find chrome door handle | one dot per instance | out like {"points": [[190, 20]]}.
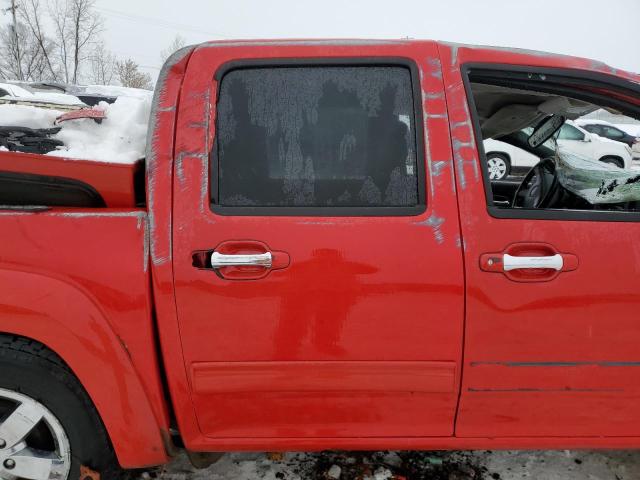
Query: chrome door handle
{"points": [[554, 262], [219, 260]]}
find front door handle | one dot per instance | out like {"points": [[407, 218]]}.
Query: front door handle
{"points": [[220, 260], [529, 262], [553, 262]]}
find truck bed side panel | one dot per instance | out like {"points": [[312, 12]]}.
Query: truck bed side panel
{"points": [[77, 281]]}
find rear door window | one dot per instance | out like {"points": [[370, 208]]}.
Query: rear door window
{"points": [[316, 137]]}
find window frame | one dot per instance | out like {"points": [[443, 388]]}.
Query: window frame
{"points": [[325, 211], [583, 77]]}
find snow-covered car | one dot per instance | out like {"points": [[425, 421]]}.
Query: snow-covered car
{"points": [[10, 93], [504, 159]]}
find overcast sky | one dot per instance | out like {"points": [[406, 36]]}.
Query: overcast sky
{"points": [[607, 30]]}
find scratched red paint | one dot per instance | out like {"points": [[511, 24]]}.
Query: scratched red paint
{"points": [[378, 332]]}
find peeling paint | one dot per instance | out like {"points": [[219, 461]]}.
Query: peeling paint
{"points": [[437, 166], [433, 95], [522, 51], [151, 151], [436, 71], [49, 213], [462, 124], [435, 223], [181, 157], [459, 159], [145, 247], [139, 215]]}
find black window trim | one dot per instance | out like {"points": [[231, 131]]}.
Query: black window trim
{"points": [[582, 76], [327, 211]]}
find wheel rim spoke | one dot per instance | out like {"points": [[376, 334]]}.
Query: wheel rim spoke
{"points": [[32, 464], [20, 423], [21, 431]]}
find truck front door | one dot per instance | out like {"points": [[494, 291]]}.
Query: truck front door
{"points": [[551, 343], [317, 261]]}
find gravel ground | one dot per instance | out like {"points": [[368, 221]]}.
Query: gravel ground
{"points": [[505, 465]]}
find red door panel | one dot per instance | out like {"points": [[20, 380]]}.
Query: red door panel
{"points": [[358, 332], [547, 352]]}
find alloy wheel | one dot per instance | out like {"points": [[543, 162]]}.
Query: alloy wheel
{"points": [[33, 443], [497, 168]]}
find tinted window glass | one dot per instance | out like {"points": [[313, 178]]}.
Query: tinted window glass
{"points": [[612, 132], [316, 136], [567, 132]]}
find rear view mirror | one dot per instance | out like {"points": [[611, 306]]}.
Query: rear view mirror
{"points": [[545, 130]]}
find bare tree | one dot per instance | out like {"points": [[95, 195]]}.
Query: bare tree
{"points": [[78, 27], [103, 65], [177, 43], [130, 75], [30, 14], [20, 54]]}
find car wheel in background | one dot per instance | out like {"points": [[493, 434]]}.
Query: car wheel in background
{"points": [[617, 161], [498, 165]]}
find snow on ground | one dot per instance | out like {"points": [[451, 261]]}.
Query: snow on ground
{"points": [[120, 138], [481, 465]]}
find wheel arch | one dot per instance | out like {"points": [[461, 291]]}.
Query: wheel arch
{"points": [[68, 322], [618, 158], [498, 152]]}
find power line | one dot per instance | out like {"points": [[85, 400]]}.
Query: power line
{"points": [[154, 21]]}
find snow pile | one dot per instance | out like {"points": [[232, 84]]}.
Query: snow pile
{"points": [[16, 92], [110, 90], [25, 116], [120, 138]]}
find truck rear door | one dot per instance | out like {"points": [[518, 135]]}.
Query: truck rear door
{"points": [[317, 259]]}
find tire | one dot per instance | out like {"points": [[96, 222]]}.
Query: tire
{"points": [[498, 166], [35, 378], [617, 161]]}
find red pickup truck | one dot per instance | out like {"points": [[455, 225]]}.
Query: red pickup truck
{"points": [[318, 259]]}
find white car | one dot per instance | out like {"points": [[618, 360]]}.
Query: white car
{"points": [[504, 159], [12, 92]]}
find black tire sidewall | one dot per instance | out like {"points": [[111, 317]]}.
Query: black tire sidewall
{"points": [[59, 391]]}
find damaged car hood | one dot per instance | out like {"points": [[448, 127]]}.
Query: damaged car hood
{"points": [[595, 181]]}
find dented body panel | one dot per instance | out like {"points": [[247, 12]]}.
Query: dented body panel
{"points": [[369, 332]]}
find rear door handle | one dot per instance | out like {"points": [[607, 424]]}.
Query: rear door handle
{"points": [[553, 262], [220, 260], [241, 260]]}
